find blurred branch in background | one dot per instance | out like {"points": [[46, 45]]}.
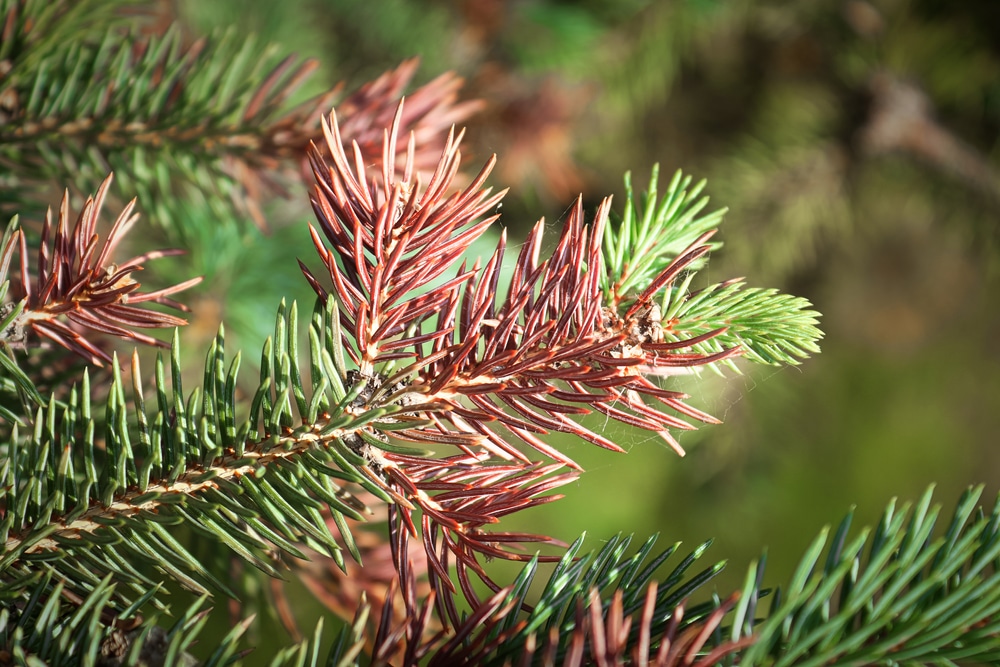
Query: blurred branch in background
{"points": [[902, 120]]}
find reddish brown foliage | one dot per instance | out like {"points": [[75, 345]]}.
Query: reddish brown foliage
{"points": [[75, 287], [470, 365]]}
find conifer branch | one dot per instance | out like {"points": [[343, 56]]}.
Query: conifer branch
{"points": [[423, 405], [551, 338], [256, 484], [598, 608], [394, 365], [37, 630], [914, 598], [75, 286], [898, 594], [192, 462], [212, 115]]}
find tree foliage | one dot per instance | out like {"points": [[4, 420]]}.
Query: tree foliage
{"points": [[416, 406]]}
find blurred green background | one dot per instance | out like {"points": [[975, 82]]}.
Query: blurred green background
{"points": [[856, 146]]}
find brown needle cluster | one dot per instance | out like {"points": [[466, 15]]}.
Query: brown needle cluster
{"points": [[597, 639], [431, 109], [474, 368], [75, 286]]}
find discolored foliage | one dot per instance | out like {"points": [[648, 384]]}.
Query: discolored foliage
{"points": [[381, 450]]}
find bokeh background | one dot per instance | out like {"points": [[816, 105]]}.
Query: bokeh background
{"points": [[856, 146]]}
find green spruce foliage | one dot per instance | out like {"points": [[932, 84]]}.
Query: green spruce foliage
{"points": [[404, 415]]}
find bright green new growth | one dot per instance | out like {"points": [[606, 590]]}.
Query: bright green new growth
{"points": [[770, 327], [650, 233]]}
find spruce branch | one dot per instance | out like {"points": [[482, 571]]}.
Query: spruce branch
{"points": [[463, 361], [75, 286], [903, 593], [762, 324], [551, 338], [37, 631], [600, 608], [151, 106], [212, 117], [422, 383], [191, 462], [914, 598], [427, 395], [33, 29]]}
